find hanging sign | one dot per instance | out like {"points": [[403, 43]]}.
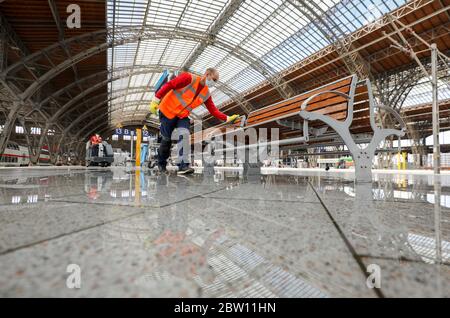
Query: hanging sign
{"points": [[119, 129]]}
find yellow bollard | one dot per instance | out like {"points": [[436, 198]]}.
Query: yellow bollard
{"points": [[137, 180], [137, 187], [399, 162], [138, 147]]}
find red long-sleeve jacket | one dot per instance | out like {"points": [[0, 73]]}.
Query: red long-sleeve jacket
{"points": [[96, 140], [183, 80]]}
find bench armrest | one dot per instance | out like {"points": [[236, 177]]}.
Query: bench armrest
{"points": [[305, 103], [307, 115]]}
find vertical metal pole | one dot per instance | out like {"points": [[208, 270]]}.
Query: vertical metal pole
{"points": [[436, 154], [132, 143], [435, 111], [111, 74], [437, 220], [138, 147]]}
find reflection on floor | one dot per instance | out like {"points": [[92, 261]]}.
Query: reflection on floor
{"points": [[222, 234]]}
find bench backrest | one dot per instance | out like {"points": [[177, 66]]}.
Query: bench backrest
{"points": [[327, 103]]}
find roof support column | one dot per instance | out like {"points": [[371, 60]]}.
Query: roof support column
{"points": [[27, 134], [9, 124], [3, 49]]}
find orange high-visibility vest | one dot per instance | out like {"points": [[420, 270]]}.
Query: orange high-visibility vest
{"points": [[180, 102]]}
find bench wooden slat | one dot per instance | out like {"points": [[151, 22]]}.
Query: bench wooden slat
{"points": [[299, 99], [294, 108]]}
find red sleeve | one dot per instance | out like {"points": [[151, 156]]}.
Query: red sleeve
{"points": [[178, 82], [214, 111]]}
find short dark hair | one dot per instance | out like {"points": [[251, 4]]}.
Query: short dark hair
{"points": [[212, 70]]}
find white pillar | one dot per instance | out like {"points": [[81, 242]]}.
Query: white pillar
{"points": [[132, 142], [435, 111]]}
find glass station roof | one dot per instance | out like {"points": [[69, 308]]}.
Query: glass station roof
{"points": [[247, 41], [421, 93]]}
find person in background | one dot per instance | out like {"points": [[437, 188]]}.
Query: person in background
{"points": [[96, 140], [175, 100]]}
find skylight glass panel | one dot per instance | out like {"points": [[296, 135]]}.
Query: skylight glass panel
{"points": [[285, 22], [142, 107], [421, 93], [245, 80], [124, 55], [210, 57], [229, 67], [247, 18], [140, 80], [177, 51], [200, 14], [129, 109], [165, 13], [127, 12], [148, 96], [219, 97], [151, 52], [134, 97], [120, 83]]}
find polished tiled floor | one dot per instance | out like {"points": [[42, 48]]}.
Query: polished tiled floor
{"points": [[304, 234]]}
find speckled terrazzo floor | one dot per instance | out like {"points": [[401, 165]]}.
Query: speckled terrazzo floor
{"points": [[134, 234]]}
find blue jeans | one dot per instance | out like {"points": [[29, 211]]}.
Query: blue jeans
{"points": [[166, 129]]}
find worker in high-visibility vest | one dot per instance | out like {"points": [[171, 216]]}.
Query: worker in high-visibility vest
{"points": [[96, 140], [175, 100]]}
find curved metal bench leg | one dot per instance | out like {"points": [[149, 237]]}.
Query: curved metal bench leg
{"points": [[363, 165], [252, 166], [361, 157], [207, 163]]}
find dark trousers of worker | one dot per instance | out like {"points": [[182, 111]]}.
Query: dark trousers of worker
{"points": [[166, 129], [95, 150]]}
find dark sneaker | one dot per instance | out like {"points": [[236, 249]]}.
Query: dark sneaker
{"points": [[185, 170]]}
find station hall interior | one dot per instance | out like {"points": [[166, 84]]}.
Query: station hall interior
{"points": [[225, 148]]}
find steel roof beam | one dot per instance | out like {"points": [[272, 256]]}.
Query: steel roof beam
{"points": [[355, 63], [214, 29], [13, 91], [430, 35], [272, 77], [360, 33], [92, 112], [144, 21], [126, 35], [90, 130], [119, 74], [13, 37], [98, 105], [61, 34]]}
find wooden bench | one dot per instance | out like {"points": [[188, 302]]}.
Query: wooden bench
{"points": [[288, 110], [346, 106]]}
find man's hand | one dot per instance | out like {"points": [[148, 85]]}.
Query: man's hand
{"points": [[231, 119], [154, 106]]}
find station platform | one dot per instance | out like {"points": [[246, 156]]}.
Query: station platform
{"points": [[278, 234]]}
